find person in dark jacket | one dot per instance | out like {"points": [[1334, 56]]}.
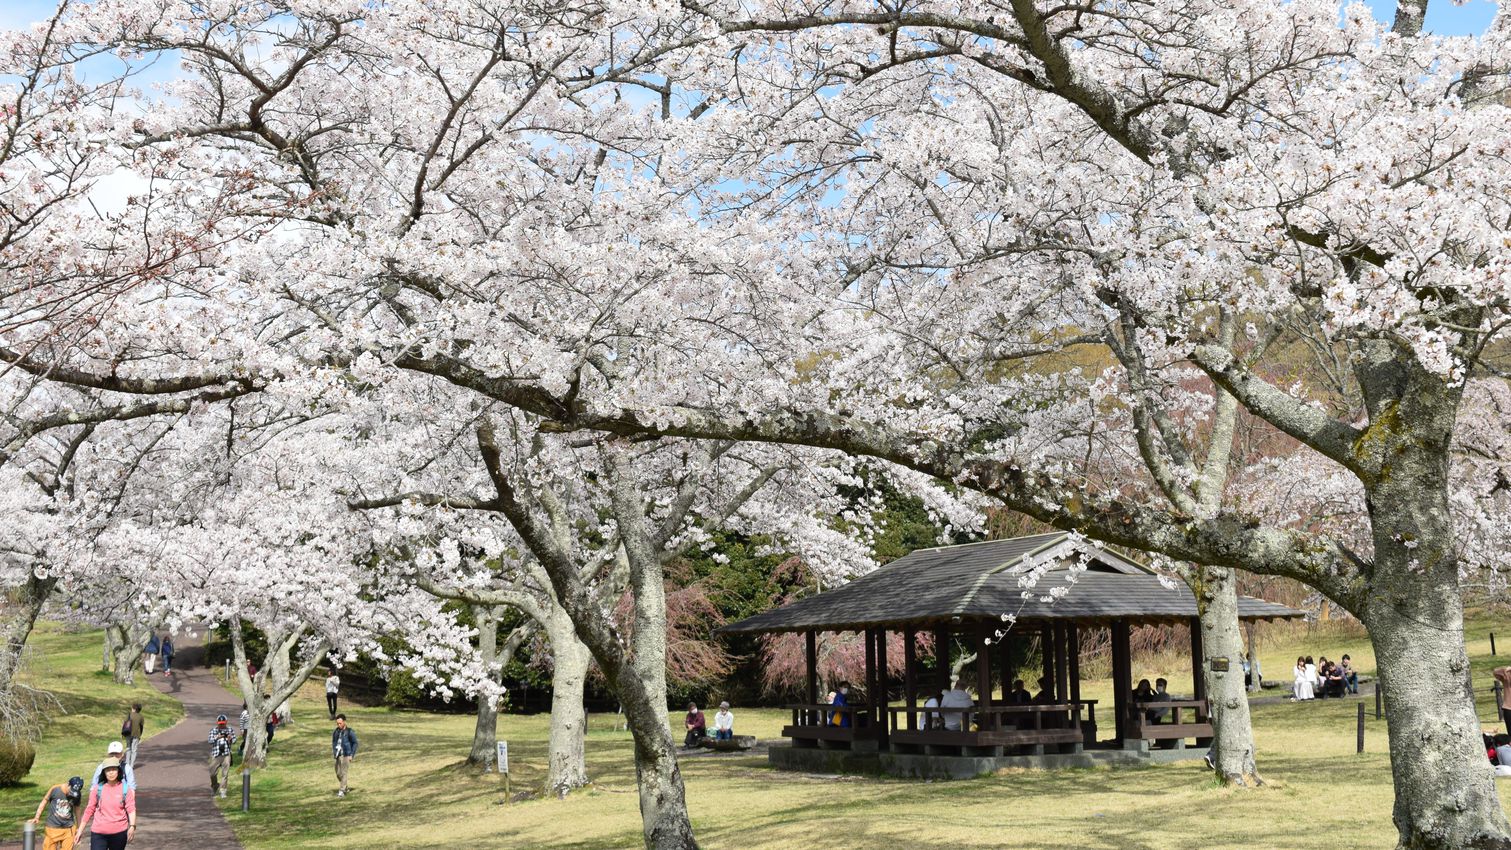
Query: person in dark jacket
{"points": [[696, 725], [167, 645], [344, 749]]}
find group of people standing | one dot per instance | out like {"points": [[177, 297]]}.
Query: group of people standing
{"points": [[1313, 680], [111, 806], [158, 648]]}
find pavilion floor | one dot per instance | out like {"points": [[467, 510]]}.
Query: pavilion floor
{"points": [[970, 762]]}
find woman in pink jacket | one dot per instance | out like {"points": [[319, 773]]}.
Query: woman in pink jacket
{"points": [[112, 808]]}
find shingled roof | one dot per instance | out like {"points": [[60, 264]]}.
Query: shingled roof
{"points": [[982, 581]]}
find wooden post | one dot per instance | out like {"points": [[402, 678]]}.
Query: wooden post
{"points": [[983, 673], [1062, 666], [812, 680], [910, 675], [883, 719], [1379, 687], [1361, 727], [1198, 664], [1073, 639], [1009, 672], [1122, 677], [870, 637], [1492, 643], [942, 658], [1047, 649]]}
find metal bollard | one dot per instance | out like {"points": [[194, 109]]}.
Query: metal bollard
{"points": [[1379, 689], [1492, 643], [1361, 727], [246, 789], [29, 836]]}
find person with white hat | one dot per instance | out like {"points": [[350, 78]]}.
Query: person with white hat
{"points": [[116, 751], [724, 723]]}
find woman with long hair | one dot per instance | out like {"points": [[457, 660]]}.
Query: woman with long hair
{"points": [[112, 808]]}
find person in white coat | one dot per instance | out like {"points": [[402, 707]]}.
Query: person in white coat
{"points": [[1302, 689]]}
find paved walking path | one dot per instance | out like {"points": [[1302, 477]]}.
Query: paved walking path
{"points": [[174, 809], [173, 802]]}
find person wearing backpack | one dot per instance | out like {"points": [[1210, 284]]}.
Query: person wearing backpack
{"points": [[167, 654], [112, 807], [114, 751], [131, 730], [344, 749]]}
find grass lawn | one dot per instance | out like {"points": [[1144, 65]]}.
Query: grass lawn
{"points": [[68, 665], [410, 791]]}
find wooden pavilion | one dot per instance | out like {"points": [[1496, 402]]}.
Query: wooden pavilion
{"points": [[961, 594]]}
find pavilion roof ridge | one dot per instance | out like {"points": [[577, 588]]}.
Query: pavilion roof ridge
{"points": [[986, 542], [970, 595]]}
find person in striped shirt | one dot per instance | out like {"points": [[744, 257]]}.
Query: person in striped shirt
{"points": [[221, 738]]}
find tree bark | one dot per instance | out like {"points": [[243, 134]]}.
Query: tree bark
{"points": [[663, 799], [569, 719], [1445, 794], [1216, 590], [125, 659], [485, 731], [29, 599], [258, 705]]}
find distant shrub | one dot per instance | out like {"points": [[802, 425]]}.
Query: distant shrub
{"points": [[16, 759]]}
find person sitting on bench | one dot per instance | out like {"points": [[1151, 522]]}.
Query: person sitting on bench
{"points": [[697, 726], [956, 697], [724, 723]]}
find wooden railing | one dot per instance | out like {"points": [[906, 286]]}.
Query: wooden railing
{"points": [[994, 725], [831, 723], [1170, 724]]}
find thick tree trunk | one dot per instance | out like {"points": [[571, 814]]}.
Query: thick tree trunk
{"points": [[108, 650], [255, 753], [125, 659], [258, 706], [569, 720], [29, 599], [663, 799], [1445, 791], [485, 731], [1232, 731], [1413, 608]]}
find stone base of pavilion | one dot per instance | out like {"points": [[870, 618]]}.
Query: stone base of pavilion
{"points": [[971, 762]]}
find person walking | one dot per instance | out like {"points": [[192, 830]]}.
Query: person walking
{"points": [[245, 721], [112, 808], [344, 749], [1502, 675], [115, 751], [149, 654], [167, 645], [332, 689], [135, 723], [61, 802], [221, 738]]}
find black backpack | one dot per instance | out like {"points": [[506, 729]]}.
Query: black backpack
{"points": [[126, 726]]}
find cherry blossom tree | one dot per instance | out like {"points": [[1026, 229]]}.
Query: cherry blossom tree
{"points": [[880, 230]]}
